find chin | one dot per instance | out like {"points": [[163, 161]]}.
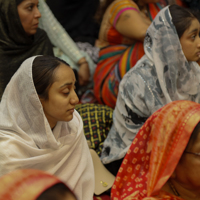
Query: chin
{"points": [[69, 118], [33, 32]]}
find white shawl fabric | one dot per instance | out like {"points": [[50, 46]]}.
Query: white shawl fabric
{"points": [[27, 141]]}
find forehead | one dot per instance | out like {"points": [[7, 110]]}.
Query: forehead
{"points": [[63, 74], [29, 1], [194, 25]]}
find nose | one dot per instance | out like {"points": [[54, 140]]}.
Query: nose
{"points": [[74, 99], [37, 13]]}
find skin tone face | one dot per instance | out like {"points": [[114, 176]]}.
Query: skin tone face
{"points": [[186, 176], [62, 97], [190, 41], [29, 15], [187, 172]]}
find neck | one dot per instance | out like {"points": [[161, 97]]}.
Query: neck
{"points": [[186, 193], [177, 189]]}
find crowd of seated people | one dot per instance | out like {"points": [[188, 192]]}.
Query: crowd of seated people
{"points": [[144, 124]]}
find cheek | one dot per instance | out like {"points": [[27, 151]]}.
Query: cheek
{"points": [[188, 50], [60, 105]]}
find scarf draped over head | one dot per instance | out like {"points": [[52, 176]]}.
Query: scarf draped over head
{"points": [[15, 44], [161, 76], [155, 152], [27, 141], [25, 184], [178, 78]]}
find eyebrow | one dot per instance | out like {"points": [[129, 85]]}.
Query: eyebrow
{"points": [[66, 84], [193, 30], [30, 2]]}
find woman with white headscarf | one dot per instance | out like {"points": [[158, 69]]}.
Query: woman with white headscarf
{"points": [[167, 72], [39, 127]]}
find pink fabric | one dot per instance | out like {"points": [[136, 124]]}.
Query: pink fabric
{"points": [[121, 11]]}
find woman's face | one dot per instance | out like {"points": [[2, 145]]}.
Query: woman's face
{"points": [[190, 41], [62, 97], [187, 172], [29, 15]]}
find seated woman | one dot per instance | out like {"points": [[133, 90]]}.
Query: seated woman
{"points": [[167, 72], [31, 184], [163, 160], [39, 127], [122, 32], [20, 38], [65, 48]]}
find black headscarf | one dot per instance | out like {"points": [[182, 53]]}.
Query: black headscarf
{"points": [[77, 17], [15, 44]]}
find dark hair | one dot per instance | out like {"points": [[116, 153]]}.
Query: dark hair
{"points": [[43, 73], [182, 18], [194, 135], [18, 2], [56, 192], [101, 10]]}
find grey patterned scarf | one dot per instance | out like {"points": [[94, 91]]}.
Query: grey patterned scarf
{"points": [[162, 75]]}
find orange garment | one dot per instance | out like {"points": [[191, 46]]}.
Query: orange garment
{"points": [[108, 33], [25, 184], [121, 54], [155, 152]]}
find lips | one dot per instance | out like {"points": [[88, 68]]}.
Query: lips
{"points": [[71, 109], [35, 25], [198, 54]]}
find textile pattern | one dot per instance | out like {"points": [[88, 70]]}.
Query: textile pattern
{"points": [[116, 60], [155, 152], [161, 76], [25, 184], [97, 120]]}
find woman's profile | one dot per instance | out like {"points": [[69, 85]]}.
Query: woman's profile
{"points": [[167, 72], [39, 127]]}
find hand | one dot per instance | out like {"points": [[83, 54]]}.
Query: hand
{"points": [[83, 74]]}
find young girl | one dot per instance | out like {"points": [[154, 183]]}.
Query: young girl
{"points": [[167, 72], [39, 127]]}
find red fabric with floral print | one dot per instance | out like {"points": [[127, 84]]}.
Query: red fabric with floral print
{"points": [[155, 152]]}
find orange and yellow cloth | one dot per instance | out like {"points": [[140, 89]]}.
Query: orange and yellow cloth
{"points": [[121, 54]]}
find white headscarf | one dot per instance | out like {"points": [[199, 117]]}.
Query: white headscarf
{"points": [[27, 141], [161, 76]]}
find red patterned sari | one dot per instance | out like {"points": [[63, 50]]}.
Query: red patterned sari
{"points": [[155, 153]]}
